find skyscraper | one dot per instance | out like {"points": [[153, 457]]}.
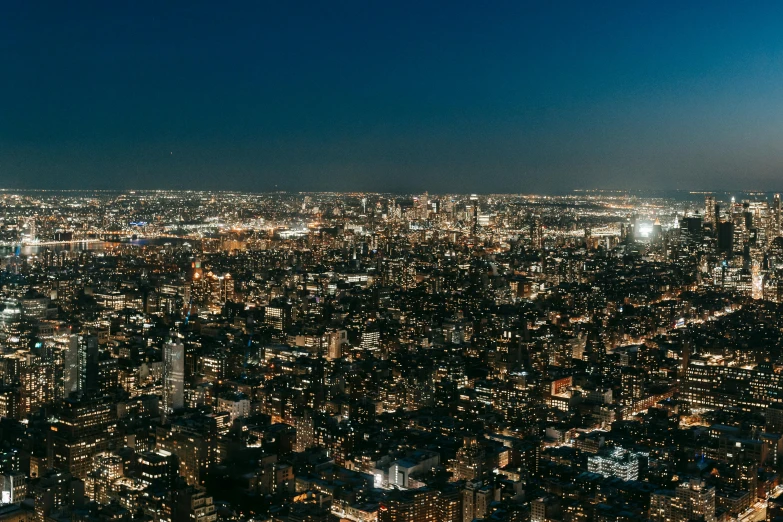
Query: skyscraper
{"points": [[173, 376], [80, 374], [726, 237], [71, 366], [84, 428], [474, 204], [710, 217]]}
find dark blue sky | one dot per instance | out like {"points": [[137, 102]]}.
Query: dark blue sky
{"points": [[404, 96]]}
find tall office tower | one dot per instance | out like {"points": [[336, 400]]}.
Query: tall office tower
{"points": [[84, 428], [80, 372], [173, 376], [88, 363], [474, 203], [775, 217], [71, 367], [423, 204], [709, 211], [36, 388], [726, 237], [537, 234], [657, 231]]}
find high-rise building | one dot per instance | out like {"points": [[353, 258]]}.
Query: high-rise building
{"points": [[71, 366], [692, 500], [278, 316], [56, 490], [471, 461], [173, 376], [657, 231], [158, 468], [193, 441], [725, 237], [474, 206], [419, 504], [718, 387], [693, 224], [476, 501], [213, 366], [337, 341], [9, 403], [85, 428], [80, 372], [371, 339], [36, 387], [450, 504], [88, 363], [537, 234], [710, 218]]}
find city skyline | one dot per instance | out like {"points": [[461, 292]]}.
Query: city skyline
{"points": [[391, 262], [171, 356]]}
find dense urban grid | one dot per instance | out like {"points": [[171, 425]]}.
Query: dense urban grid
{"points": [[195, 356]]}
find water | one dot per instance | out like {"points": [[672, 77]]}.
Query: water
{"points": [[95, 246], [29, 250]]}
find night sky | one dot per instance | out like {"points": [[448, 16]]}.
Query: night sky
{"points": [[391, 95]]}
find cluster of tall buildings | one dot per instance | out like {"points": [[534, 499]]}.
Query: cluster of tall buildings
{"points": [[172, 356]]}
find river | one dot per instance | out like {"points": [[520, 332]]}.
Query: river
{"points": [[28, 250]]}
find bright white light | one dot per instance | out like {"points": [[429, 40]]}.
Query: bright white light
{"points": [[645, 230]]}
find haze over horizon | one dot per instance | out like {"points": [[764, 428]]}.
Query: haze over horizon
{"points": [[405, 97]]}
